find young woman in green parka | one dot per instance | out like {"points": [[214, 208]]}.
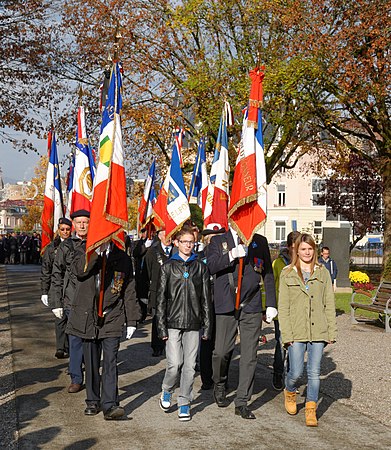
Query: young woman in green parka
{"points": [[306, 311]]}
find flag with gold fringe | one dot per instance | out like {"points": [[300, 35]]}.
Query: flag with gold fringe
{"points": [[109, 215]]}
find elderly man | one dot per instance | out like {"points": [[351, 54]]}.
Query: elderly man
{"points": [[63, 232], [64, 284]]}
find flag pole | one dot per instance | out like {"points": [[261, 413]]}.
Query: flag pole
{"points": [[239, 289], [101, 290]]}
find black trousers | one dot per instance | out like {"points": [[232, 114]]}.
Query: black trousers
{"points": [[102, 391], [61, 337], [226, 331], [156, 343], [206, 352]]}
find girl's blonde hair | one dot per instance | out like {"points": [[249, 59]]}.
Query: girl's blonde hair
{"points": [[308, 239]]}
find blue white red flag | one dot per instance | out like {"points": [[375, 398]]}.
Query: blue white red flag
{"points": [[148, 199], [80, 194], [172, 207], [216, 206], [179, 135], [109, 214], [247, 211], [53, 206], [199, 182]]}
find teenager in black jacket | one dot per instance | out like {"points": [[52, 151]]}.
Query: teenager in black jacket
{"points": [[183, 307]]}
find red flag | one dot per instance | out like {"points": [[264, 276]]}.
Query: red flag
{"points": [[247, 210]]}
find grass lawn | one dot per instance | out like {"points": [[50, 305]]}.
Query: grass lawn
{"points": [[342, 304]]}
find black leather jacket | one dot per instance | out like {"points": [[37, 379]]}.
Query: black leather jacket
{"points": [[183, 297]]}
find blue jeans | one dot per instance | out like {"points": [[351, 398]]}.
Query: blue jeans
{"points": [[181, 354], [296, 365]]}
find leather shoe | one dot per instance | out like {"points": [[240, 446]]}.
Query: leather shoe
{"points": [[244, 412], [61, 354], [219, 396], [114, 413], [206, 386], [74, 387], [92, 410]]}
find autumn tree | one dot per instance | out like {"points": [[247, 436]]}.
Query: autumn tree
{"points": [[354, 191], [347, 43]]}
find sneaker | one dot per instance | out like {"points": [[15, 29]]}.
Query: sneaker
{"points": [[278, 382], [184, 413], [165, 400]]}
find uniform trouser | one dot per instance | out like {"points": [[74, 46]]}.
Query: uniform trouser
{"points": [[156, 343], [75, 367], [102, 391], [279, 351], [75, 359], [61, 337], [226, 332], [206, 352], [23, 257], [181, 354]]}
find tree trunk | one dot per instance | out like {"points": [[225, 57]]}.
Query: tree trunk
{"points": [[386, 175]]}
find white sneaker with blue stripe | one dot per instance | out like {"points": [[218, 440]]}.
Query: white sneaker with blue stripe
{"points": [[184, 413], [165, 400]]}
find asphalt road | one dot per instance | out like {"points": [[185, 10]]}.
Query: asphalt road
{"points": [[36, 412]]}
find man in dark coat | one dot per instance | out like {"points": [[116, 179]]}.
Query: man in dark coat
{"points": [[155, 257], [63, 290], [140, 271], [223, 261], [119, 308], [63, 232]]}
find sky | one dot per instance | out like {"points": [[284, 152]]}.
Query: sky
{"points": [[19, 166]]}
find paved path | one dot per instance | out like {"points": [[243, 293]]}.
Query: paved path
{"points": [[36, 412]]}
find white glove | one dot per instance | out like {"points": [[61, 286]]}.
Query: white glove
{"points": [[238, 252], [58, 312], [271, 313], [144, 300], [45, 300], [148, 243], [130, 331]]}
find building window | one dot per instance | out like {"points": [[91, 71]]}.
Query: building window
{"points": [[318, 188], [317, 227], [280, 230], [281, 194]]}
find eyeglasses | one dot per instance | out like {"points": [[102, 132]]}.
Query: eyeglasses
{"points": [[65, 229], [187, 242]]}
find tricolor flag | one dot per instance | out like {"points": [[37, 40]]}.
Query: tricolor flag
{"points": [[148, 199], [216, 206], [109, 215], [53, 206], [199, 182], [80, 193], [247, 210], [172, 208]]}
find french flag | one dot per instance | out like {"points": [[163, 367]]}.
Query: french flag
{"points": [[148, 199], [53, 206], [199, 182], [172, 207], [216, 205], [247, 211], [80, 194]]}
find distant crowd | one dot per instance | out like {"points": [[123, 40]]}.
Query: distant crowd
{"points": [[20, 248]]}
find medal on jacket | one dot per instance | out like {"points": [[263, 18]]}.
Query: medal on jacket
{"points": [[186, 274], [117, 282], [258, 264]]}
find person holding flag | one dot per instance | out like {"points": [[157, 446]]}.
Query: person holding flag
{"points": [[238, 259], [102, 263]]}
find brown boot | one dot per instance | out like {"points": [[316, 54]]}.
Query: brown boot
{"points": [[290, 402], [310, 414]]}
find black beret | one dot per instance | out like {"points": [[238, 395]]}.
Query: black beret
{"points": [[64, 221], [80, 213], [213, 228], [143, 230]]}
